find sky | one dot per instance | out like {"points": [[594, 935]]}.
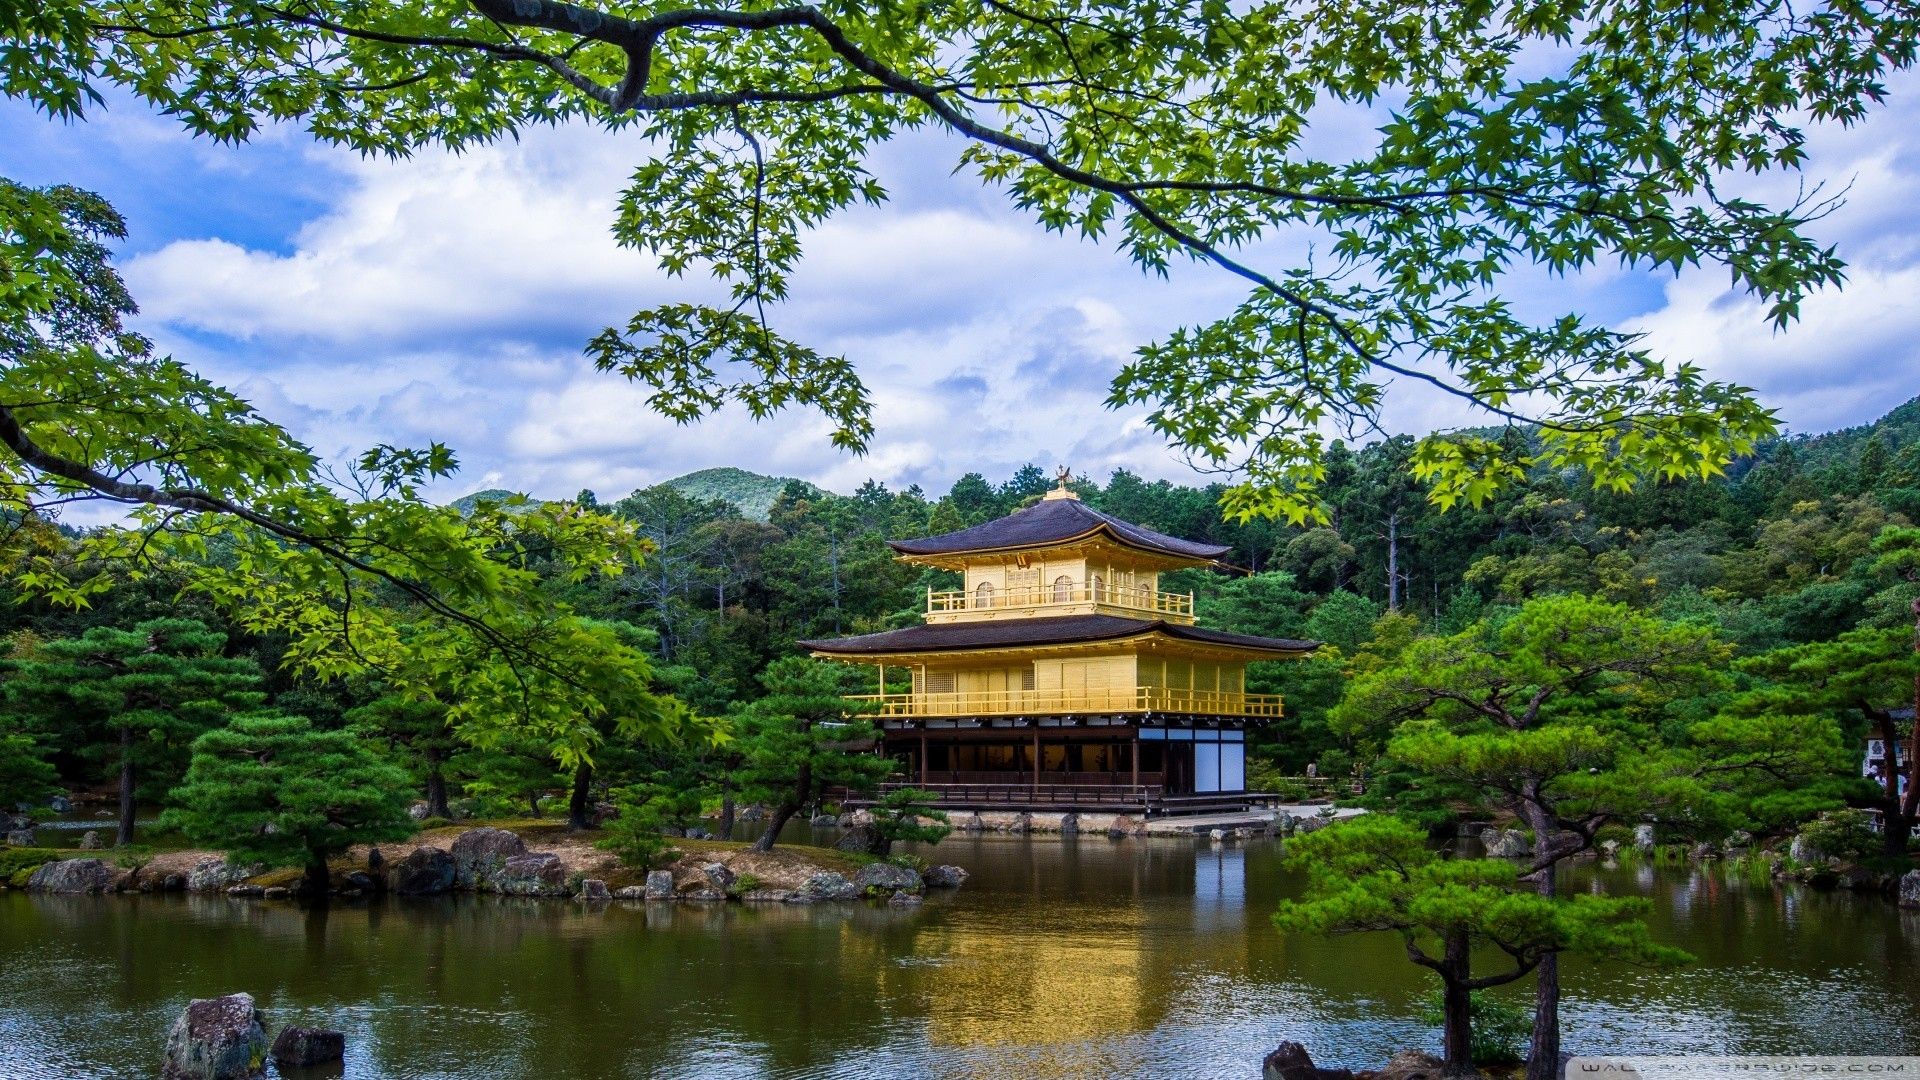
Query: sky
{"points": [[447, 298]]}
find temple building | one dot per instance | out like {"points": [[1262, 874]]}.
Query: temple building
{"points": [[1061, 677]]}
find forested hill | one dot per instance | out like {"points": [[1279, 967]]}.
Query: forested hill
{"points": [[749, 492]]}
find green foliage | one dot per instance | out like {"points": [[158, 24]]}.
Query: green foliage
{"points": [[1500, 1028], [643, 810], [132, 856], [907, 814], [26, 776], [273, 790], [1843, 834], [22, 861], [805, 737]]}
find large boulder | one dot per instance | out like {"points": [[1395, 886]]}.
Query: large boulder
{"points": [[719, 876], [539, 873], [71, 876], [594, 889], [60, 804], [1289, 1061], [1643, 837], [1910, 889], [1508, 844], [825, 885], [90, 840], [480, 854], [659, 885], [216, 875], [1805, 851], [972, 823], [1069, 824], [305, 1047], [426, 871], [21, 838], [863, 839], [886, 877], [216, 1039], [823, 821], [944, 877]]}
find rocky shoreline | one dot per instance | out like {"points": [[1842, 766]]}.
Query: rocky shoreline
{"points": [[488, 860]]}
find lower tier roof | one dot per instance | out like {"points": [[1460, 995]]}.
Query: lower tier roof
{"points": [[1053, 630]]}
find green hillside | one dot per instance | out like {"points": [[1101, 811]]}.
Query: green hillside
{"points": [[749, 492]]}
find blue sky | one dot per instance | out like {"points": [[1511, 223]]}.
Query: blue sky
{"points": [[447, 298]]}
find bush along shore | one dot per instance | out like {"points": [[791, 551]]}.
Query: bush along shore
{"points": [[527, 859]]}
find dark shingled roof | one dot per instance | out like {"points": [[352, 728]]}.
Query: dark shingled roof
{"points": [[1055, 630], [1053, 521]]}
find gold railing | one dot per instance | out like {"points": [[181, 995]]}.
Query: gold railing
{"points": [[1135, 597], [1119, 699]]}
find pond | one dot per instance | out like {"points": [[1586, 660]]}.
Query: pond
{"points": [[1086, 957]]}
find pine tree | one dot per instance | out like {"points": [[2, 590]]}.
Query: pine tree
{"points": [[417, 727], [140, 696], [803, 739], [274, 790]]}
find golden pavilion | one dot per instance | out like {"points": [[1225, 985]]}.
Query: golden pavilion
{"points": [[1061, 677]]}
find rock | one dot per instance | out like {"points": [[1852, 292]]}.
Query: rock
{"points": [[821, 821], [21, 838], [1289, 1061], [704, 894], [1738, 841], [1805, 851], [426, 871], [174, 883], [216, 1039], [215, 875], [856, 818], [751, 813], [1218, 836], [479, 854], [875, 877], [826, 885], [539, 873], [768, 896], [418, 812], [1910, 889], [659, 885], [1022, 824], [376, 863], [594, 889], [630, 892], [864, 839], [90, 840], [1860, 879], [71, 876], [276, 892], [1285, 824], [245, 891], [1069, 824], [944, 877], [1609, 848], [905, 899], [699, 834], [1244, 832], [719, 876], [1410, 1065], [1643, 837], [303, 1047], [1702, 851], [972, 823], [60, 804], [359, 881], [1508, 844]]}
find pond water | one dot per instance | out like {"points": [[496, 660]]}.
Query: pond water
{"points": [[1060, 958]]}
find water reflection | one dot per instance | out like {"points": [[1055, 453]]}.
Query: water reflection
{"points": [[1060, 958]]}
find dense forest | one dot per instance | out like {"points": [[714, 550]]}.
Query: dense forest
{"points": [[1779, 554]]}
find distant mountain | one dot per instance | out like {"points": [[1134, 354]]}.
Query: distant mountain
{"points": [[750, 492], [1899, 429], [466, 503]]}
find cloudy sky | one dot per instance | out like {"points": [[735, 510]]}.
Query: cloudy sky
{"points": [[447, 298]]}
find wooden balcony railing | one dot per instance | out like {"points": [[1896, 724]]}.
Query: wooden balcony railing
{"points": [[1044, 702], [1133, 597]]}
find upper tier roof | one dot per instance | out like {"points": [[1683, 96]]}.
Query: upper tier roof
{"points": [[1056, 521], [1057, 630]]}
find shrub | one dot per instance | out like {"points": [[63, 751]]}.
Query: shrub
{"points": [[24, 860], [1500, 1028], [132, 856], [744, 884], [633, 833]]}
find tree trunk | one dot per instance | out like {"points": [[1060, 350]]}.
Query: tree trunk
{"points": [[533, 803], [789, 806], [1393, 561], [579, 803], [1543, 1055], [775, 822], [437, 787], [725, 824], [124, 835], [1894, 825], [1456, 1008], [317, 878]]}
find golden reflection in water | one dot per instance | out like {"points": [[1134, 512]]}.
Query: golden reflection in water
{"points": [[1036, 986]]}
